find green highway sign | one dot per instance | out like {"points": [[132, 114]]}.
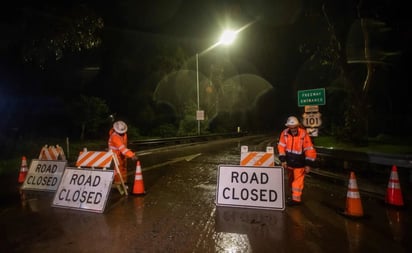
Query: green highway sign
{"points": [[311, 97]]}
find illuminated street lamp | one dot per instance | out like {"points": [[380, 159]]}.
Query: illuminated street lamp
{"points": [[226, 38]]}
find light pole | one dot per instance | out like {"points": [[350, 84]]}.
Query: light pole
{"points": [[226, 38], [198, 96]]}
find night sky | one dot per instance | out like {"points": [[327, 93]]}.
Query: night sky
{"points": [[277, 48]]}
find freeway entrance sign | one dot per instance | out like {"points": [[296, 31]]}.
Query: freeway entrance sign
{"points": [[311, 97]]}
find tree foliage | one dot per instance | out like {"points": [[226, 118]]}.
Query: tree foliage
{"points": [[89, 114], [355, 47], [53, 32]]}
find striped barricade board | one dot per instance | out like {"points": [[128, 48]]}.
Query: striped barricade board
{"points": [[257, 158], [102, 160], [44, 175], [52, 153], [94, 159]]}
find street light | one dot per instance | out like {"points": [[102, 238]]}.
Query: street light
{"points": [[227, 38]]}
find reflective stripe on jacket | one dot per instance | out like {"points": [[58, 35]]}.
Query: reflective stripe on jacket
{"points": [[118, 144], [297, 151]]}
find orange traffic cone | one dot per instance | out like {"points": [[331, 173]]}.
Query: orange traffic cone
{"points": [[394, 193], [353, 201], [138, 187], [23, 170]]}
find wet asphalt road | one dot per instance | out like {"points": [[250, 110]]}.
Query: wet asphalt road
{"points": [[178, 214]]}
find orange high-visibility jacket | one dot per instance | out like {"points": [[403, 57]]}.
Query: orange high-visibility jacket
{"points": [[118, 144], [297, 151]]}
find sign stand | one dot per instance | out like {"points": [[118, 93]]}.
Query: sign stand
{"points": [[257, 158], [52, 153], [116, 165]]}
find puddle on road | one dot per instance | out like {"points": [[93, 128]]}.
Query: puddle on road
{"points": [[241, 230]]}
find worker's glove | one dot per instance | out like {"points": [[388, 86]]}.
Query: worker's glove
{"points": [[135, 158], [284, 165], [307, 169]]}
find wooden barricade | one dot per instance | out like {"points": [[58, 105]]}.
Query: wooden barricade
{"points": [[52, 153], [257, 158], [101, 160]]}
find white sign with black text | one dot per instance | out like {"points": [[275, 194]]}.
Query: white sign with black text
{"points": [[44, 175], [200, 115], [250, 187], [84, 189]]}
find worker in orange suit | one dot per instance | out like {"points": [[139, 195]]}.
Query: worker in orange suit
{"points": [[118, 144], [297, 155]]}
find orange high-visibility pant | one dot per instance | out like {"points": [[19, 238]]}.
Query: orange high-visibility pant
{"points": [[123, 171], [296, 177]]}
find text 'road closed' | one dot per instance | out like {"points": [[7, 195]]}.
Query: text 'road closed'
{"points": [[91, 196], [247, 186], [84, 189], [44, 175]]}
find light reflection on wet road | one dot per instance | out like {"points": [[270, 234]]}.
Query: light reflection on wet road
{"points": [[178, 214]]}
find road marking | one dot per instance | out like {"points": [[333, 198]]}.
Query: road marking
{"points": [[175, 160]]}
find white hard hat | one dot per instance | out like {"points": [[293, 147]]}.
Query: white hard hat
{"points": [[120, 127], [292, 121]]}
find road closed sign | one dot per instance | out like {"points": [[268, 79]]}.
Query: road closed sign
{"points": [[44, 175], [84, 189], [250, 187]]}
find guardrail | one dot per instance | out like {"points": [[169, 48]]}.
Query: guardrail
{"points": [[404, 161], [150, 143]]}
